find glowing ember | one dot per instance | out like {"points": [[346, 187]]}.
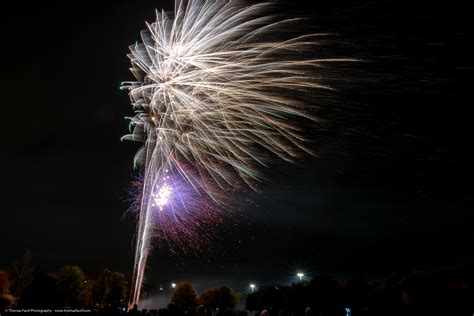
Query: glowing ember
{"points": [[162, 197]]}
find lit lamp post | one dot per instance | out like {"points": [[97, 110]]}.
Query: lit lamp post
{"points": [[300, 275], [173, 285], [252, 287]]}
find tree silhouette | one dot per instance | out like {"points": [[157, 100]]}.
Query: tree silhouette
{"points": [[42, 293], [222, 297], [325, 294], [5, 282], [6, 299], [21, 274], [356, 294], [109, 288], [251, 301], [269, 296], [184, 296], [70, 285]]}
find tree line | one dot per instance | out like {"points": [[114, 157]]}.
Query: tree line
{"points": [[70, 287], [411, 293]]}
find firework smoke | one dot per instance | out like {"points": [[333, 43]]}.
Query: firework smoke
{"points": [[214, 92]]}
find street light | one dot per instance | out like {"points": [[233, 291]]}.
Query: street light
{"points": [[173, 285], [252, 287], [300, 275]]}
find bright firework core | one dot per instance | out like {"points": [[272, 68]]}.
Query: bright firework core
{"points": [[162, 195]]}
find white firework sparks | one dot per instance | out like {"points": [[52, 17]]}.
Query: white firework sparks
{"points": [[214, 91], [162, 197]]}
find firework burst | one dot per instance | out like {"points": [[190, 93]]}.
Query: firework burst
{"points": [[215, 92], [186, 217]]}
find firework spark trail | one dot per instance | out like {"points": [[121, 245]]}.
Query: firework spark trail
{"points": [[183, 215], [214, 92]]}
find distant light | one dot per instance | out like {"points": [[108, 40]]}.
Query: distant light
{"points": [[300, 275], [252, 287], [173, 285]]}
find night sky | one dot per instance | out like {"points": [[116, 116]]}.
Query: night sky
{"points": [[390, 191]]}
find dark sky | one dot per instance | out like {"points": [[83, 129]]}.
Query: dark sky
{"points": [[390, 191]]}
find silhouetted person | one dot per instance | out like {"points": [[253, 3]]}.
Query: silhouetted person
{"points": [[134, 311], [201, 310], [173, 310], [272, 311], [163, 312]]}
